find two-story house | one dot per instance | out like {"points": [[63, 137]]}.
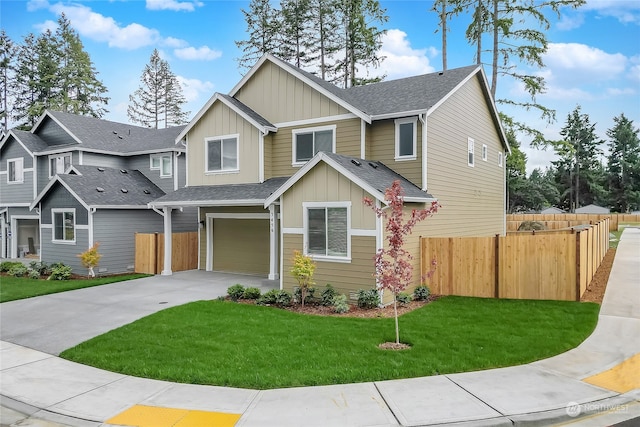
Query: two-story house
{"points": [[75, 180], [283, 162]]}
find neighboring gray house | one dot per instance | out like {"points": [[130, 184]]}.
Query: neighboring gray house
{"points": [[552, 210], [30, 161], [592, 209]]}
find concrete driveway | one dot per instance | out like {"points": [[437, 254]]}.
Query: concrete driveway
{"points": [[56, 322]]}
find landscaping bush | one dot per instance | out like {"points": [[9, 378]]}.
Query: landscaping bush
{"points": [[275, 297], [404, 298], [283, 299], [251, 293], [340, 304], [235, 292], [531, 225], [328, 295], [368, 298], [59, 271], [308, 299], [421, 293], [33, 274], [41, 267], [18, 270], [5, 266]]}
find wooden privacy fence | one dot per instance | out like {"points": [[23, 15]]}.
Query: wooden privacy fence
{"points": [[529, 265], [150, 252], [560, 221]]}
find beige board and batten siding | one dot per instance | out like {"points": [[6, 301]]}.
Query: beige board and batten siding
{"points": [[281, 144], [383, 149], [280, 97], [325, 184], [221, 120], [472, 198]]}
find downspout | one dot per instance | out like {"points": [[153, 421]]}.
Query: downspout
{"points": [[261, 136], [175, 170], [423, 120], [91, 236]]}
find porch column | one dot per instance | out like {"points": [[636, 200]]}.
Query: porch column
{"points": [[166, 271], [273, 243]]}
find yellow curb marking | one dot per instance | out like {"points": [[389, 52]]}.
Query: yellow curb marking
{"points": [[621, 378], [154, 416]]}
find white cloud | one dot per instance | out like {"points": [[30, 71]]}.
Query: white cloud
{"points": [[193, 88], [33, 5], [571, 64], [174, 42], [625, 11], [401, 60], [203, 53], [173, 5], [47, 25]]}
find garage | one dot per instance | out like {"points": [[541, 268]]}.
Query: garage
{"points": [[241, 245]]}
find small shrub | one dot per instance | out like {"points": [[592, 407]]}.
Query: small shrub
{"points": [[340, 304], [276, 297], [235, 292], [221, 298], [59, 271], [18, 270], [328, 295], [5, 266], [404, 298], [90, 258], [41, 267], [284, 299], [531, 225], [251, 293], [368, 298], [421, 293], [33, 274], [303, 269], [309, 298]]}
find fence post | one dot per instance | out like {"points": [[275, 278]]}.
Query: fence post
{"points": [[497, 261], [578, 266]]}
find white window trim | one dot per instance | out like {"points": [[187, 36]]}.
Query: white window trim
{"points": [[53, 226], [19, 166], [485, 152], [153, 157], [500, 157], [471, 150], [57, 156], [160, 157], [296, 132], [206, 154], [305, 226], [398, 122]]}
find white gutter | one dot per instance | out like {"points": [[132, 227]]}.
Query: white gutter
{"points": [[423, 120]]}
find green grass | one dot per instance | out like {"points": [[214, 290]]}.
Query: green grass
{"points": [[14, 288], [237, 345], [613, 243]]}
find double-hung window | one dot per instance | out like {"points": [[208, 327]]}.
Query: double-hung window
{"points": [[15, 171], [470, 151], [59, 164], [222, 154], [327, 232], [64, 225], [406, 130], [163, 163], [308, 142]]}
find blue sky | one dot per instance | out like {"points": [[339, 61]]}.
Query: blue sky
{"points": [[593, 58]]}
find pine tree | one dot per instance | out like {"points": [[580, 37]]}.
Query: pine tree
{"points": [[159, 98], [7, 76], [263, 26], [324, 40], [623, 174], [295, 31]]}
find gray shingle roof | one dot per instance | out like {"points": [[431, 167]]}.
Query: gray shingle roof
{"points": [[116, 137], [219, 194], [248, 111], [377, 175], [33, 142], [111, 181]]}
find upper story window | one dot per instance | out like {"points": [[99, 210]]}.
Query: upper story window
{"points": [[163, 163], [326, 230], [59, 164], [15, 171], [406, 130], [485, 152], [64, 225], [470, 151], [308, 142], [222, 154], [500, 159]]}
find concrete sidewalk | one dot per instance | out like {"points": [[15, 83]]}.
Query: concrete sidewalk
{"points": [[595, 384]]}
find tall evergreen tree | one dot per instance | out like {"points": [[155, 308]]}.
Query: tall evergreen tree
{"points": [[324, 41], [295, 31], [263, 27], [7, 76], [623, 174], [159, 98]]}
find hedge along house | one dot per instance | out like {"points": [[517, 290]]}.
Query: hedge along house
{"points": [[92, 204], [439, 134]]}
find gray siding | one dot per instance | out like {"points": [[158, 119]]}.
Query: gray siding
{"points": [[64, 252], [59, 197], [184, 221], [42, 165], [143, 164], [15, 193], [96, 159], [54, 134], [13, 149], [115, 231]]}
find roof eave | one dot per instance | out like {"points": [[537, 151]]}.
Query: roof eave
{"points": [[180, 203], [398, 114]]}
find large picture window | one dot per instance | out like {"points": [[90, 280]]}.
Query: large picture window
{"points": [[327, 230], [406, 130], [309, 142], [64, 226], [15, 171], [59, 164], [222, 154]]}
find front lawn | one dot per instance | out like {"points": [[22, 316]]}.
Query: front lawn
{"points": [[238, 345], [13, 288]]}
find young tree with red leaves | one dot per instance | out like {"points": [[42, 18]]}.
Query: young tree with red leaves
{"points": [[393, 263]]}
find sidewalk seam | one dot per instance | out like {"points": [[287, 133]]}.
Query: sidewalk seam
{"points": [[375, 385]]}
